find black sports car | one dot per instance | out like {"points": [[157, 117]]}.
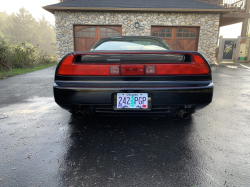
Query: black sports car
{"points": [[133, 75]]}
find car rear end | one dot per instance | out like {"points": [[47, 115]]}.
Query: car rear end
{"points": [[162, 83]]}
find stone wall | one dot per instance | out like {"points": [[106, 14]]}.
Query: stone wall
{"points": [[208, 23]]}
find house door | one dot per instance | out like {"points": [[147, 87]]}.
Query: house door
{"points": [[228, 49], [86, 36], [178, 38]]}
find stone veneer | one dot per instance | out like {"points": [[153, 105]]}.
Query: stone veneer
{"points": [[209, 26]]}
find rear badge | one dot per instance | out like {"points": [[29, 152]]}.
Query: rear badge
{"points": [[134, 69]]}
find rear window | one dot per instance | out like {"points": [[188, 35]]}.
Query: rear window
{"points": [[130, 43]]}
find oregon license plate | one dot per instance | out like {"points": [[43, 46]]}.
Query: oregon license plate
{"points": [[132, 100]]}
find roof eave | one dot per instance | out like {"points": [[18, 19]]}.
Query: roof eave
{"points": [[53, 9]]}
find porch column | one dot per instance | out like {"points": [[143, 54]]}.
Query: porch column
{"points": [[245, 24]]}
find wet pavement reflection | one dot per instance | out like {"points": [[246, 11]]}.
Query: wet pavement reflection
{"points": [[122, 151], [44, 145]]}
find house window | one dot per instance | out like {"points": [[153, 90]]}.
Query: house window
{"points": [[163, 33], [107, 32], [86, 32], [185, 33]]}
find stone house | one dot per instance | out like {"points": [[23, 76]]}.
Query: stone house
{"points": [[183, 24]]}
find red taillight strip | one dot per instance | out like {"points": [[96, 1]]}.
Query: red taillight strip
{"points": [[198, 66], [93, 69], [180, 69]]}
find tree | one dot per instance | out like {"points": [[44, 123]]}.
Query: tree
{"points": [[3, 24], [48, 36], [23, 27]]}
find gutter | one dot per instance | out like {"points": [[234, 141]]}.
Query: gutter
{"points": [[98, 9]]}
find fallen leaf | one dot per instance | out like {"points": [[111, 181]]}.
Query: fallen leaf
{"points": [[130, 155]]}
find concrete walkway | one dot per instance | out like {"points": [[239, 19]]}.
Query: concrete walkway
{"points": [[234, 65]]}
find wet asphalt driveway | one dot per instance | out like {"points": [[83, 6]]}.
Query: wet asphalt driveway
{"points": [[43, 145]]}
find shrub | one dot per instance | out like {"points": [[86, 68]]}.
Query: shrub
{"points": [[4, 66], [23, 55]]}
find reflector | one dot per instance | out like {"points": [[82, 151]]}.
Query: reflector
{"points": [[150, 69], [115, 70]]}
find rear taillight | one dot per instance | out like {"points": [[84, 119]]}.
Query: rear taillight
{"points": [[65, 67], [197, 66], [200, 65], [68, 67], [91, 69]]}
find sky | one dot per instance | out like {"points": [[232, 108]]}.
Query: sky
{"points": [[35, 7], [231, 31]]}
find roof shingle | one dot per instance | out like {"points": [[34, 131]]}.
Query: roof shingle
{"points": [[161, 4]]}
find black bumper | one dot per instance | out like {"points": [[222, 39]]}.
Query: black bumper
{"points": [[68, 94]]}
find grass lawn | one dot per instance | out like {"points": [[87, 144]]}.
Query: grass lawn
{"points": [[18, 71]]}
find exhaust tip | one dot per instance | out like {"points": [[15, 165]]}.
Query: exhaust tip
{"points": [[184, 114]]}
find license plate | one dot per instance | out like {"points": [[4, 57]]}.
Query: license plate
{"points": [[132, 100]]}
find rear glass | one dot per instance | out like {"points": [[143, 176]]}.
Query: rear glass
{"points": [[131, 43]]}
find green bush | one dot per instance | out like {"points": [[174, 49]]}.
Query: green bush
{"points": [[3, 56], [23, 55]]}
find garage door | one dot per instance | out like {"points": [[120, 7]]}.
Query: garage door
{"points": [[178, 38], [86, 36]]}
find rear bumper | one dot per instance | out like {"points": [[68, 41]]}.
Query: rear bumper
{"points": [[66, 95]]}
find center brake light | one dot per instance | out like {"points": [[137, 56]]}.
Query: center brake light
{"points": [[198, 66]]}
